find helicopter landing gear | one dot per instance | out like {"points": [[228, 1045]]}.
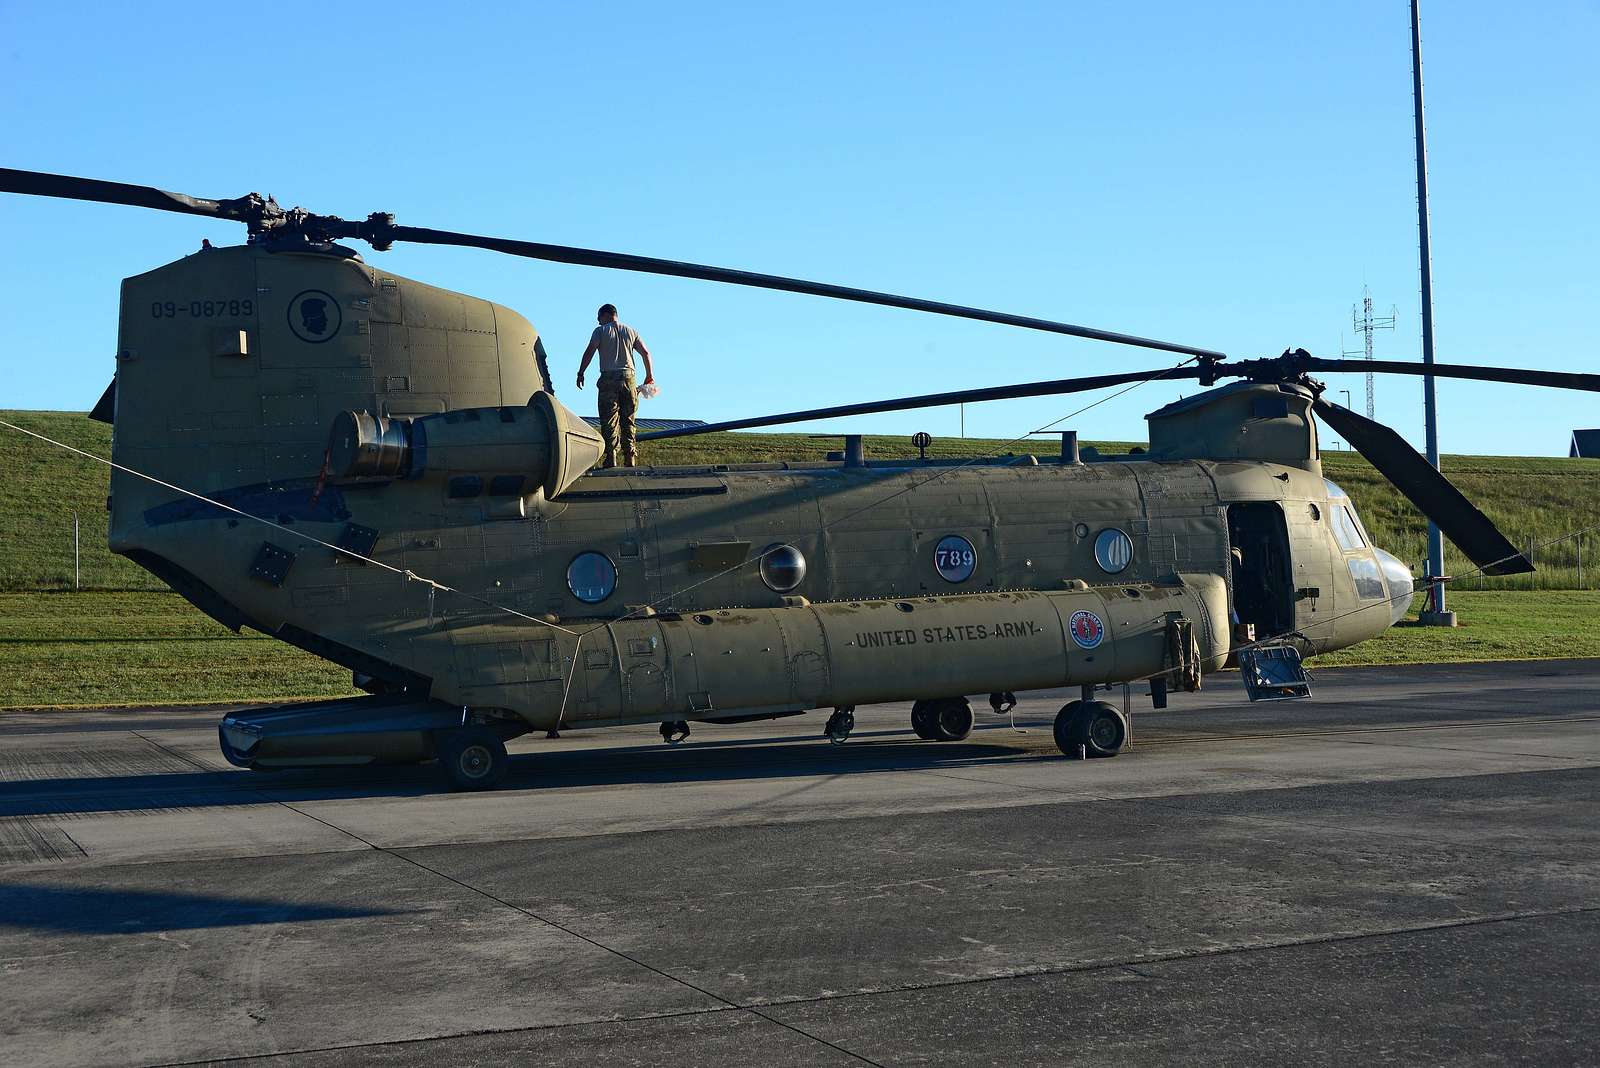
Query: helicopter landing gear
{"points": [[947, 719], [674, 731], [840, 724], [473, 758], [1090, 728]]}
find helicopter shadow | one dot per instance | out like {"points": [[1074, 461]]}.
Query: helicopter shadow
{"points": [[118, 910], [766, 758], [709, 761]]}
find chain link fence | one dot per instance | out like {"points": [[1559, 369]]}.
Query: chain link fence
{"points": [[1565, 563]]}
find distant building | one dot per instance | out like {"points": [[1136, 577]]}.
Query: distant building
{"points": [[1585, 443]]}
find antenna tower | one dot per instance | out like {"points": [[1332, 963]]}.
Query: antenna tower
{"points": [[1365, 323]]}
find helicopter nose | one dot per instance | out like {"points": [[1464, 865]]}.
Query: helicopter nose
{"points": [[1400, 582]]}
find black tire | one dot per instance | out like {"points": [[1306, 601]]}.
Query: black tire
{"points": [[1063, 730], [473, 758], [922, 720], [951, 719], [1096, 726]]}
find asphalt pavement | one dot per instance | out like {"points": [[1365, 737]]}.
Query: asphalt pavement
{"points": [[1405, 868]]}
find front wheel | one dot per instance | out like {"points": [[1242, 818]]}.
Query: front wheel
{"points": [[1097, 727], [473, 758]]}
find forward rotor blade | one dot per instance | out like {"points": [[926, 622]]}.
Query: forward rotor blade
{"points": [[933, 400], [1517, 375], [650, 265], [40, 184], [1432, 493]]}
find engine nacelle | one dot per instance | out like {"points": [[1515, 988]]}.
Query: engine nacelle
{"points": [[509, 451]]}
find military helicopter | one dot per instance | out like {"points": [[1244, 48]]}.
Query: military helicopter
{"points": [[365, 466]]}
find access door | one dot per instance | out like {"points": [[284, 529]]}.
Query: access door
{"points": [[1262, 576]]}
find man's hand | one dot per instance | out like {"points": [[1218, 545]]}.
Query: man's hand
{"points": [[580, 379], [649, 380]]}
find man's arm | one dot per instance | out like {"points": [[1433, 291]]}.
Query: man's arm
{"points": [[649, 369], [588, 354]]}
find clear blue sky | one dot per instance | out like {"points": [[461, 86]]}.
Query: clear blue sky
{"points": [[1222, 174]]}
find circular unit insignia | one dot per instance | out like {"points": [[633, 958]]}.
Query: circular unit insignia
{"points": [[314, 316], [1113, 550], [954, 558], [1086, 628]]}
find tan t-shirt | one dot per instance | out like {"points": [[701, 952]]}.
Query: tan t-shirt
{"points": [[614, 344]]}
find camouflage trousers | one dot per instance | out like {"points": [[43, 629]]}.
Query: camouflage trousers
{"points": [[619, 402]]}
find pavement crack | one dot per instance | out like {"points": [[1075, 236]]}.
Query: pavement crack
{"points": [[763, 1010], [723, 1004], [1225, 950], [174, 753]]}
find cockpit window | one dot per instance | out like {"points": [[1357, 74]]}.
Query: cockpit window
{"points": [[1364, 572], [1333, 488], [1345, 527]]}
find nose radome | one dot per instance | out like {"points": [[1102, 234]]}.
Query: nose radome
{"points": [[1399, 580]]}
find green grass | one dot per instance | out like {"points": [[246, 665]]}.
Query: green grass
{"points": [[1544, 498], [87, 649], [40, 489], [143, 648], [1495, 625]]}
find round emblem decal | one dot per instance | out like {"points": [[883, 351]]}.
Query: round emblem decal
{"points": [[1113, 550], [954, 558], [314, 316], [1087, 630]]}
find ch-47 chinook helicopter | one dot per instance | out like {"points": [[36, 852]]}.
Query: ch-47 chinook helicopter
{"points": [[364, 466]]}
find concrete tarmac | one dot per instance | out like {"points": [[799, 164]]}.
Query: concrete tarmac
{"points": [[1405, 868]]}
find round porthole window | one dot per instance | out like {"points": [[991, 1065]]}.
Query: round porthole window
{"points": [[1113, 550], [591, 577], [783, 567], [954, 558]]}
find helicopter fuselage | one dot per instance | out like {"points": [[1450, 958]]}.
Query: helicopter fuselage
{"points": [[665, 594]]}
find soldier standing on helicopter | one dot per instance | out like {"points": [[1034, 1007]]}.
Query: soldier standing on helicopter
{"points": [[619, 400]]}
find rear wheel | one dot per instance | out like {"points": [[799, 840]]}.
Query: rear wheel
{"points": [[922, 720], [473, 758], [951, 719]]}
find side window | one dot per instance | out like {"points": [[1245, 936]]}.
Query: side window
{"points": [[1345, 529]]}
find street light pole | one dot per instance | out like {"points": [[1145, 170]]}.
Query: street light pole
{"points": [[1438, 616]]}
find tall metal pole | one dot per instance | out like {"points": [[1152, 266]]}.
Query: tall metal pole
{"points": [[1429, 410]]}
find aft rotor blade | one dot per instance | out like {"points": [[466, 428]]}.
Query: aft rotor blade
{"points": [[933, 400], [379, 229], [1433, 494], [650, 265], [40, 184], [1515, 375]]}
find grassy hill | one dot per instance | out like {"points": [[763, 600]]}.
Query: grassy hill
{"points": [[1529, 497]]}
